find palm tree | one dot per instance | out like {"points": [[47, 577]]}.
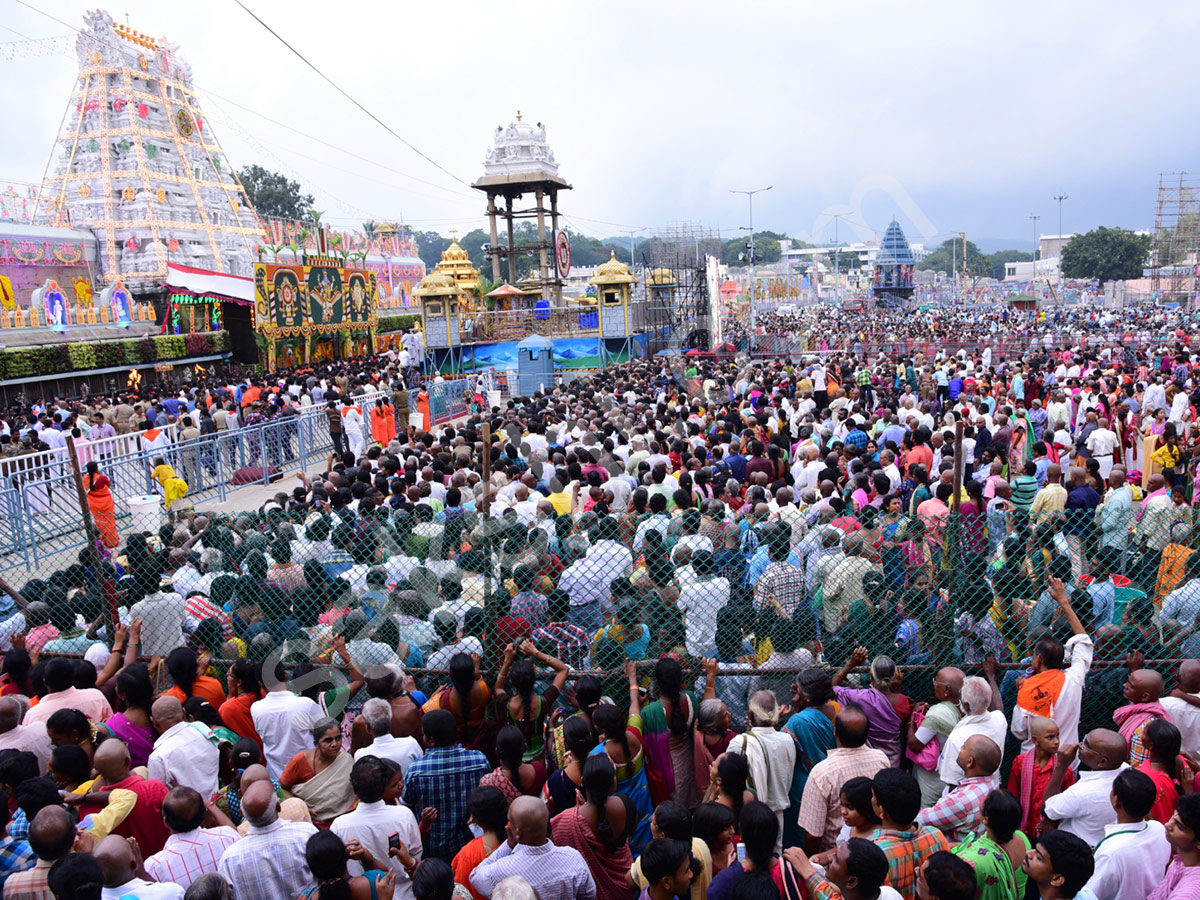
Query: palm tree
{"points": [[335, 242], [302, 237]]}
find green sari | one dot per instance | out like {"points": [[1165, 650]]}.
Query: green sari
{"points": [[993, 869]]}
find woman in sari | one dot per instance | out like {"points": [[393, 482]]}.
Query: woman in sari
{"points": [[621, 741], [132, 724], [467, 697], [515, 777], [713, 733], [811, 724], [668, 725], [599, 829], [588, 692], [100, 503], [321, 776], [1152, 431], [564, 787], [886, 709], [996, 854]]}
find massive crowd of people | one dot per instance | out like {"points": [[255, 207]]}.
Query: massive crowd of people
{"points": [[854, 624]]}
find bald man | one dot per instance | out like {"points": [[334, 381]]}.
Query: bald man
{"points": [[16, 736], [1183, 705], [291, 809], [1082, 809], [51, 837], [119, 866], [1143, 689], [191, 850], [182, 754], [821, 807], [144, 821], [939, 720], [554, 873], [268, 863], [960, 812]]}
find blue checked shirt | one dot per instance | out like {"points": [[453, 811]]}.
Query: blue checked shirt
{"points": [[443, 778], [15, 856]]}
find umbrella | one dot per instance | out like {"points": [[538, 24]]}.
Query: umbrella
{"points": [[506, 290]]}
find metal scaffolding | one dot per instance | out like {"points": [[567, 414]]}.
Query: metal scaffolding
{"points": [[1175, 246]]}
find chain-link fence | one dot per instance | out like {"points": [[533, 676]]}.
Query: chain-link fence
{"points": [[767, 591]]}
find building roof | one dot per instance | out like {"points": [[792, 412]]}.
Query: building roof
{"points": [[894, 251], [612, 272]]}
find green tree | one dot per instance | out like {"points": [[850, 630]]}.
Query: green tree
{"points": [[1106, 254], [1000, 257], [950, 254], [766, 249], [430, 245], [273, 194]]}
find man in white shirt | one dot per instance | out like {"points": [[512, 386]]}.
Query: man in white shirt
{"points": [[1102, 443], [190, 851], [181, 754], [1083, 808], [587, 580], [770, 755], [975, 699], [15, 736], [1064, 696], [162, 614], [700, 601], [282, 720], [1132, 857], [269, 862], [117, 863], [377, 713], [373, 823], [1183, 704]]}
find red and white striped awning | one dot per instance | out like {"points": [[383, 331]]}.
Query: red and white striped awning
{"points": [[202, 281]]}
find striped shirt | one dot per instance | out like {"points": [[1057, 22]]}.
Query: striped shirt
{"points": [[188, 855]]}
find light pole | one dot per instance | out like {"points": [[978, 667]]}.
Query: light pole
{"points": [[753, 319], [1035, 249], [632, 259], [837, 250], [1060, 198]]}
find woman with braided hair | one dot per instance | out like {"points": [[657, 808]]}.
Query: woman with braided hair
{"points": [[668, 724], [599, 829]]}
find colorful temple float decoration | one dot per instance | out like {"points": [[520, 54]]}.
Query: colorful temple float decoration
{"points": [[388, 250], [314, 309], [895, 266]]}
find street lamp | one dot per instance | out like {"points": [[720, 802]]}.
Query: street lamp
{"points": [[632, 259], [385, 231], [837, 249], [1060, 198], [753, 318], [1035, 249]]}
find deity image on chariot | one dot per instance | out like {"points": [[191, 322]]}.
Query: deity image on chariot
{"points": [[325, 295], [286, 296]]}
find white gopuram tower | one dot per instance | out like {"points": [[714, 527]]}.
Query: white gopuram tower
{"points": [[136, 162]]}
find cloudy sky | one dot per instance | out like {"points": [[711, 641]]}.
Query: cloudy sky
{"points": [[950, 116]]}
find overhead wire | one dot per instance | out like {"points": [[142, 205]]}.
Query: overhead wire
{"points": [[433, 162], [350, 153]]}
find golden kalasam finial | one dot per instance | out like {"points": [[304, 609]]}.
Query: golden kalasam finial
{"points": [[518, 115], [453, 234]]}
